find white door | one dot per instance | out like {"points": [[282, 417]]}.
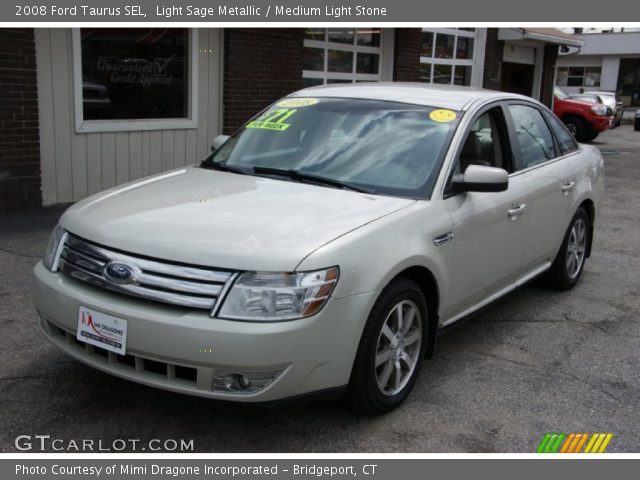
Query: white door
{"points": [[489, 227]]}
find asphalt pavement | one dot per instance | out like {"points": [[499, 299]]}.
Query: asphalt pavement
{"points": [[537, 361]]}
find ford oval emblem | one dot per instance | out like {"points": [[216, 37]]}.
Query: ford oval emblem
{"points": [[121, 273]]}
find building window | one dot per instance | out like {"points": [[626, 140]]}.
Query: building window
{"points": [[137, 78], [447, 55], [341, 55], [578, 76]]}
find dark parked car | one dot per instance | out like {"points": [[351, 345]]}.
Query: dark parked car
{"points": [[636, 121]]}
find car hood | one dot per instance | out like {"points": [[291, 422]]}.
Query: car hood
{"points": [[579, 103], [224, 220]]}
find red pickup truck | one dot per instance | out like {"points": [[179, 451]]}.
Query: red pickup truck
{"points": [[584, 120]]}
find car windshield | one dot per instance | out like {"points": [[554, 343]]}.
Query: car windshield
{"points": [[587, 98], [607, 99], [561, 94], [383, 147]]}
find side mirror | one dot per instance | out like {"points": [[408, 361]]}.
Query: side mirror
{"points": [[218, 141], [478, 178]]}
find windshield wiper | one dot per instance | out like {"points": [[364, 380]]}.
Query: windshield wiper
{"points": [[223, 167], [310, 178]]}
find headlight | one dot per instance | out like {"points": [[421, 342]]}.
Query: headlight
{"points": [[599, 109], [268, 296], [55, 242]]}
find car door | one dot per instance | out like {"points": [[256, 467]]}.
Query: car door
{"points": [[488, 227], [550, 176]]}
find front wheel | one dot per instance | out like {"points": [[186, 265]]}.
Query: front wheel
{"points": [[591, 136], [569, 263], [578, 128], [391, 349]]}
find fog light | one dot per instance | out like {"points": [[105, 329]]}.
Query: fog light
{"points": [[242, 382], [236, 382]]}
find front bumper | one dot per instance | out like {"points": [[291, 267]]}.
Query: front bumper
{"points": [[183, 351], [601, 123], [618, 116]]}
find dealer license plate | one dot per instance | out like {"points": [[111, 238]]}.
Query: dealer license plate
{"points": [[102, 330]]}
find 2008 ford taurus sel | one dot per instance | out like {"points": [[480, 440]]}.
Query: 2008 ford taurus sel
{"points": [[322, 247]]}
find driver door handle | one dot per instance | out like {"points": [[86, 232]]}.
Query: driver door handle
{"points": [[568, 186], [516, 210]]}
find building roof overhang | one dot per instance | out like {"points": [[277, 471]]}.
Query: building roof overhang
{"points": [[551, 36]]}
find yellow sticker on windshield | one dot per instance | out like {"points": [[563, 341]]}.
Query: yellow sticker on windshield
{"points": [[278, 127], [297, 102], [275, 119], [442, 115]]}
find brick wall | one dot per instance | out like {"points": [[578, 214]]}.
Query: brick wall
{"points": [[493, 53], [19, 134], [406, 55], [548, 69], [260, 66]]}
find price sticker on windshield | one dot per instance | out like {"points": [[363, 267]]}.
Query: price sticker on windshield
{"points": [[297, 102], [275, 120], [442, 115]]}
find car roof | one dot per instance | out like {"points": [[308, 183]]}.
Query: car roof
{"points": [[443, 96]]}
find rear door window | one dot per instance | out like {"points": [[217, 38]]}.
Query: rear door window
{"points": [[565, 140], [533, 135]]}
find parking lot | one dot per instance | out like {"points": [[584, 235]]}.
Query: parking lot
{"points": [[537, 361]]}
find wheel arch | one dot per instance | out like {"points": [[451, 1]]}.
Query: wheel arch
{"points": [[590, 208], [567, 115], [428, 284]]}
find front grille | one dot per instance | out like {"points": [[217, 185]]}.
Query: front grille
{"points": [[200, 380], [159, 281], [179, 375]]}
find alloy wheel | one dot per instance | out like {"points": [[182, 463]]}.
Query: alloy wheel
{"points": [[398, 347], [576, 248]]}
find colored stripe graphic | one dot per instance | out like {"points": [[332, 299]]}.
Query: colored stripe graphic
{"points": [[591, 442], [574, 442], [581, 443], [606, 442], [543, 443], [572, 439], [551, 442]]}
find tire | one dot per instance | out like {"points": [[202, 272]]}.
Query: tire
{"points": [[591, 136], [564, 273], [368, 390], [636, 125], [578, 128]]}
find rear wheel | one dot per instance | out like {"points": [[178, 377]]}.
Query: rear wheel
{"points": [[568, 265], [391, 349], [577, 127]]}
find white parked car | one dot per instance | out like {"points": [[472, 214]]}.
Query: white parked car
{"points": [[321, 248], [610, 99]]}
